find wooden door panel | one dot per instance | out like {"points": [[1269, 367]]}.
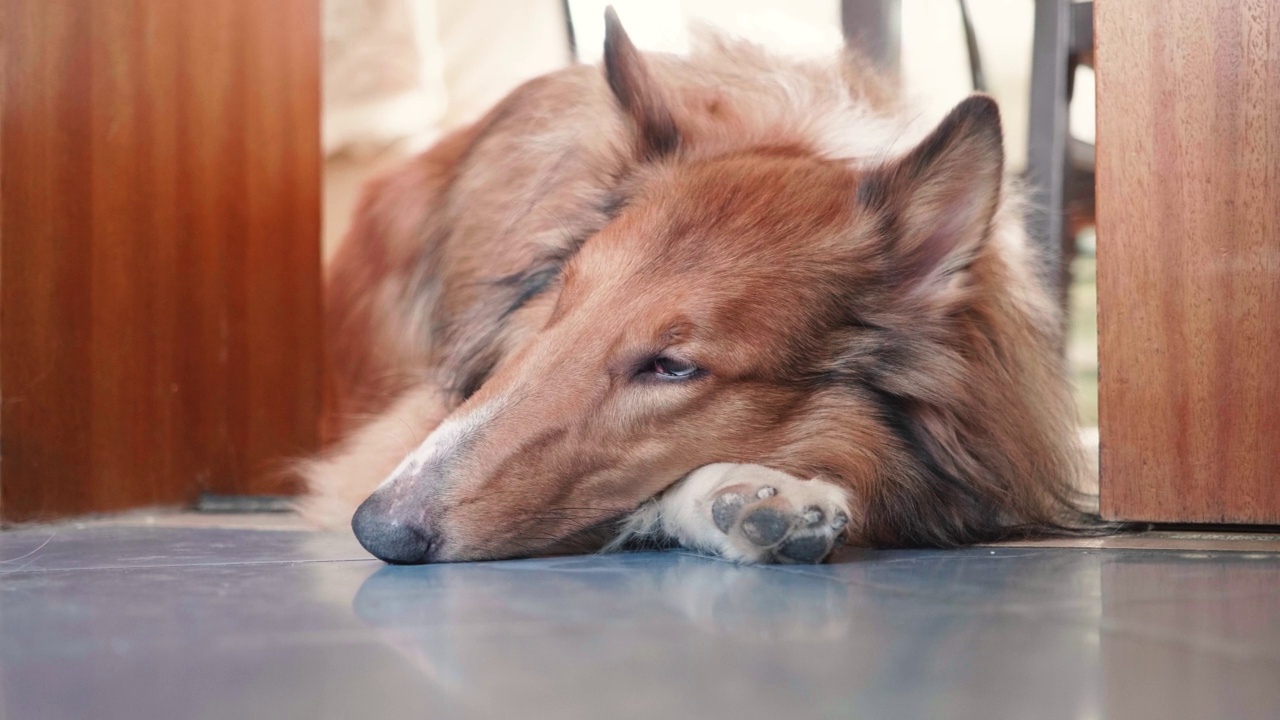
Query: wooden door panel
{"points": [[159, 250], [1188, 160]]}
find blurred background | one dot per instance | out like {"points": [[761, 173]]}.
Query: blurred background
{"points": [[400, 73]]}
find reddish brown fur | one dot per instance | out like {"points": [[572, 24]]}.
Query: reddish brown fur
{"points": [[873, 322]]}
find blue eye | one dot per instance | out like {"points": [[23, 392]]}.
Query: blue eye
{"points": [[668, 368]]}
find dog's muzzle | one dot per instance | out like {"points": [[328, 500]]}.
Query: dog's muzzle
{"points": [[392, 537]]}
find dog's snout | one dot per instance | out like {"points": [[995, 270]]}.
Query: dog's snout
{"points": [[391, 537]]}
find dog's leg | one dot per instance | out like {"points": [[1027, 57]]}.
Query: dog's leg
{"points": [[748, 513]]}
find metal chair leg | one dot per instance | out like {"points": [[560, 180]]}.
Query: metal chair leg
{"points": [[875, 27], [1047, 135]]}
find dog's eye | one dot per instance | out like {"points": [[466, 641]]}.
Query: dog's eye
{"points": [[672, 369]]}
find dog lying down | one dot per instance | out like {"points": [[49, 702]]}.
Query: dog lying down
{"points": [[720, 301]]}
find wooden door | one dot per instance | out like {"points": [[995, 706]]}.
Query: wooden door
{"points": [[159, 250], [1188, 160]]}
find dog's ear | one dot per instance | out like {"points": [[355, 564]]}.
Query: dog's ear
{"points": [[937, 202], [640, 97]]}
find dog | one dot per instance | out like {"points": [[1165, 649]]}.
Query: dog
{"points": [[727, 301]]}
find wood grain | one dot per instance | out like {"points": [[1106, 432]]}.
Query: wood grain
{"points": [[1188, 158], [159, 250]]}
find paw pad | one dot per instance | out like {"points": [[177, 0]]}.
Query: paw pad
{"points": [[766, 526], [813, 515], [797, 522], [725, 510]]}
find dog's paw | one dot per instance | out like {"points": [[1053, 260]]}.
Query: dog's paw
{"points": [[780, 519], [749, 513]]}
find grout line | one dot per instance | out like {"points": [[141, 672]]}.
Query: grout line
{"points": [[190, 565]]}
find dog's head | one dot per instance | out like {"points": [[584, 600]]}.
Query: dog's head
{"points": [[766, 306]]}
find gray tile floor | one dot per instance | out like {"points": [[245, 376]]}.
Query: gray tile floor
{"points": [[179, 622]]}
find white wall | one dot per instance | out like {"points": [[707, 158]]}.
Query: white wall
{"points": [[463, 55]]}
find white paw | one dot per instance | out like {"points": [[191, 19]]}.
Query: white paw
{"points": [[751, 513]]}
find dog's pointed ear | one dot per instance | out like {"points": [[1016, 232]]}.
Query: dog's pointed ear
{"points": [[937, 202], [634, 87]]}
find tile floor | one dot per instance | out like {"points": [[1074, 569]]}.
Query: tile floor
{"points": [[127, 619]]}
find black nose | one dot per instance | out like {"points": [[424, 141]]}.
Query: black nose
{"points": [[390, 538]]}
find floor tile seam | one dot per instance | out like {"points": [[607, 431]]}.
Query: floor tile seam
{"points": [[805, 569], [187, 565], [1269, 550]]}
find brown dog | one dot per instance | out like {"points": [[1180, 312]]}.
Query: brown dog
{"points": [[708, 300]]}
